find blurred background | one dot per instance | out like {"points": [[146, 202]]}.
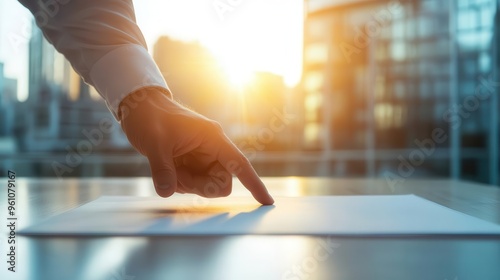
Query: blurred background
{"points": [[343, 88]]}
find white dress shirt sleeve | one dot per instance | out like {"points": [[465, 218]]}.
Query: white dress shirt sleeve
{"points": [[103, 43]]}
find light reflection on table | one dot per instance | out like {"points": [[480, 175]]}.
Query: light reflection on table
{"points": [[254, 257]]}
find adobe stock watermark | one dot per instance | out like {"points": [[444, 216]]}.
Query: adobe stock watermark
{"points": [[47, 9], [96, 136], [223, 7], [11, 221], [84, 147], [210, 189], [364, 35], [309, 265], [121, 275], [454, 117], [278, 122], [20, 37]]}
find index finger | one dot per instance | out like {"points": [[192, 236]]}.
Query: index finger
{"points": [[236, 163]]}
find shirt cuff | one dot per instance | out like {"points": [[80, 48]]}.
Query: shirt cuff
{"points": [[123, 71]]}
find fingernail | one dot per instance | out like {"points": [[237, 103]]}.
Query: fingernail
{"points": [[165, 190], [164, 187]]}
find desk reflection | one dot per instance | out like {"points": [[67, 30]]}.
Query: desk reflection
{"points": [[253, 257], [260, 257]]}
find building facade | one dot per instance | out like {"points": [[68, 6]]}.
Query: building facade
{"points": [[61, 120], [8, 98], [382, 79]]}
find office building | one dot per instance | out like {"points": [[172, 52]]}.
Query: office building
{"points": [[8, 98], [382, 77], [58, 114]]}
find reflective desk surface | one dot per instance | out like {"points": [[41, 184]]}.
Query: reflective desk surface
{"points": [[250, 257]]}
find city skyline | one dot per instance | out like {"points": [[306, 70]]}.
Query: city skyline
{"points": [[240, 42], [368, 97]]}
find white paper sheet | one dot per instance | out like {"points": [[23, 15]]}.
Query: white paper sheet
{"points": [[326, 215]]}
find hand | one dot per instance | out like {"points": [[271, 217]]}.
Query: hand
{"points": [[187, 152]]}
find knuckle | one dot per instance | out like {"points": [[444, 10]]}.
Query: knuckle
{"points": [[243, 161], [215, 126]]}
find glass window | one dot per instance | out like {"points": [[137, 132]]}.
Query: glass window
{"points": [[469, 40], [425, 89], [398, 29], [316, 29], [398, 50], [487, 15], [485, 62], [316, 53], [313, 104], [313, 81], [467, 19], [312, 134], [399, 89]]}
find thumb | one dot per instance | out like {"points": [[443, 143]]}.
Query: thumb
{"points": [[163, 173]]}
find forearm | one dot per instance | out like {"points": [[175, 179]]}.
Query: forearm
{"points": [[102, 42]]}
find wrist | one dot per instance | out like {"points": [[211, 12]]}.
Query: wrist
{"points": [[132, 100], [125, 69]]}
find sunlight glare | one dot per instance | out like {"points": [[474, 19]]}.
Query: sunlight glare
{"points": [[254, 36], [238, 76]]}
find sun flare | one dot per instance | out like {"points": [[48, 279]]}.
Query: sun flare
{"points": [[253, 37], [238, 74]]}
